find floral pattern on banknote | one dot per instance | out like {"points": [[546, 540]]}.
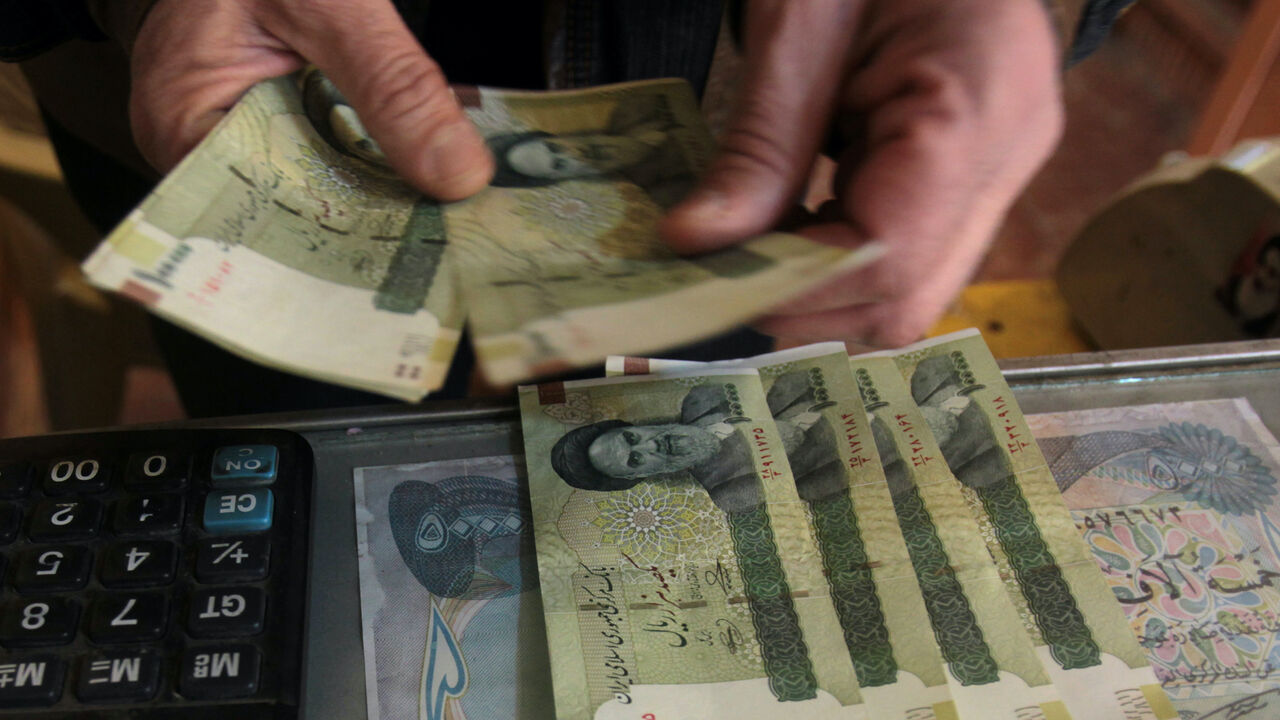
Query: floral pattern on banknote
{"points": [[611, 214], [661, 526], [1201, 599]]}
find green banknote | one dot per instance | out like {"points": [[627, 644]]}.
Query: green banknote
{"points": [[1067, 607], [560, 263], [994, 669], [285, 238], [679, 578], [825, 432]]}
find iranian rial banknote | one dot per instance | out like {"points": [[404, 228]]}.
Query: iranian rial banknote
{"points": [[679, 578], [994, 669], [825, 432], [1178, 503], [560, 262], [283, 239], [452, 618], [1067, 607]]}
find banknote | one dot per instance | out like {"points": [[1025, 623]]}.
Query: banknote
{"points": [[1069, 611], [560, 262], [451, 614], [825, 432], [679, 579], [1178, 503], [994, 668], [285, 238]]}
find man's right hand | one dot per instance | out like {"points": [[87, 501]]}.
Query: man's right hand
{"points": [[193, 59]]}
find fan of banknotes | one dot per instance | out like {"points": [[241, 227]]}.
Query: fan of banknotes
{"points": [[801, 534], [286, 238]]}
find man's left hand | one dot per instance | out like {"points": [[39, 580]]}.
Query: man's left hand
{"points": [[944, 111]]}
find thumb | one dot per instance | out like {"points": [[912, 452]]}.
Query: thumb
{"points": [[399, 93], [795, 56]]}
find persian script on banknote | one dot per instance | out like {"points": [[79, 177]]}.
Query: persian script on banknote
{"points": [[449, 600], [1178, 503], [560, 261], [282, 240], [825, 432], [1069, 612], [286, 238], [679, 577]]}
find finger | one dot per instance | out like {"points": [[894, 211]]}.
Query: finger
{"points": [[191, 62], [795, 53], [867, 326], [400, 94]]}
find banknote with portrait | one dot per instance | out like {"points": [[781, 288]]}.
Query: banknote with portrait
{"points": [[450, 610]]}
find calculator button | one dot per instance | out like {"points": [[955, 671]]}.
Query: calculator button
{"points": [[76, 475], [53, 568], [215, 672], [143, 515], [31, 681], [227, 612], [128, 617], [52, 520], [240, 465], [39, 621], [142, 563], [118, 677], [233, 559], [10, 521], [15, 479], [160, 470], [237, 511]]}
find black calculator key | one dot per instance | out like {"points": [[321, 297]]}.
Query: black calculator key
{"points": [[10, 521], [52, 568], [128, 617], [144, 515], [118, 676], [31, 681], [227, 612], [237, 558], [138, 563], [38, 621], [216, 672], [77, 475], [54, 520], [15, 479], [158, 470]]}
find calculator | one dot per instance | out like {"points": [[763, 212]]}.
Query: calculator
{"points": [[154, 574]]}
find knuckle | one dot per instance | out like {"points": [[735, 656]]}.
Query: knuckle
{"points": [[748, 146], [410, 94]]}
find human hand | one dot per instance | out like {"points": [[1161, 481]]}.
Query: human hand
{"points": [[944, 111], [193, 59]]}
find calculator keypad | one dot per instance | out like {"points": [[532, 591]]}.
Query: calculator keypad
{"points": [[153, 572]]}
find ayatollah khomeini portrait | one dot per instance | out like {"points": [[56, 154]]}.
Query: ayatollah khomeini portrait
{"points": [[613, 455]]}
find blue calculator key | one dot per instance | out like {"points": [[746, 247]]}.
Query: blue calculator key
{"points": [[237, 511], [237, 465]]}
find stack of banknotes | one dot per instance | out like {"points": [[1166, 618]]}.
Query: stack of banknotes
{"points": [[808, 534], [286, 237]]}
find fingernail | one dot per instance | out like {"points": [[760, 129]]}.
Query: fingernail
{"points": [[456, 159]]}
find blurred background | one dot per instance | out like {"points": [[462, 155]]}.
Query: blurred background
{"points": [[1175, 75]]}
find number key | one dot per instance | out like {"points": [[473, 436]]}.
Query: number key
{"points": [[67, 520], [159, 470], [128, 617], [77, 475], [238, 558], [53, 568], [39, 621], [142, 563], [144, 515]]}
